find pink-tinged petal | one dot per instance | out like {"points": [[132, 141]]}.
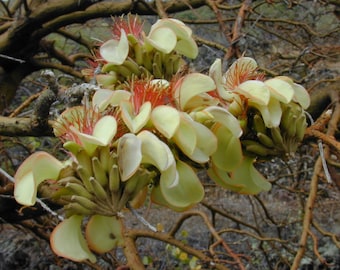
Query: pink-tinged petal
{"points": [[192, 85], [129, 155], [166, 119], [115, 51], [243, 69], [103, 233], [67, 241], [163, 39], [280, 89], [35, 169], [256, 92]]}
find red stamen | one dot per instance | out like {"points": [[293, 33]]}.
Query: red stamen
{"points": [[242, 73], [155, 93], [82, 118], [131, 25]]}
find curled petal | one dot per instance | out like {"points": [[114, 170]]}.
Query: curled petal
{"points": [[163, 39], [256, 91], [115, 51], [166, 119], [67, 240], [206, 143], [185, 137], [103, 233], [186, 193], [280, 90], [155, 152], [253, 181], [36, 168], [215, 72], [301, 96], [104, 97], [222, 178], [271, 113], [104, 131], [191, 85], [224, 117], [241, 70], [129, 155], [135, 122], [229, 150], [178, 27], [187, 47]]}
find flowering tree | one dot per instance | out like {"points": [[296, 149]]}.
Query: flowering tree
{"points": [[148, 128]]}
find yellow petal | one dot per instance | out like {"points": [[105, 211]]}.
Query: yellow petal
{"points": [[129, 155], [229, 150], [187, 192], [36, 168], [162, 38], [135, 122], [255, 91], [280, 90], [222, 178], [187, 47], [154, 151], [67, 241], [166, 119], [103, 233], [224, 117], [115, 51], [185, 136], [206, 143], [104, 97], [191, 85]]}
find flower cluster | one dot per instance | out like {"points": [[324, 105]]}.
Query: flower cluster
{"points": [[132, 53], [149, 129]]}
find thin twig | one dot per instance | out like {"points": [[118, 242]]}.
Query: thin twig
{"points": [[214, 233], [42, 204], [140, 218], [308, 215], [12, 58], [167, 238]]}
